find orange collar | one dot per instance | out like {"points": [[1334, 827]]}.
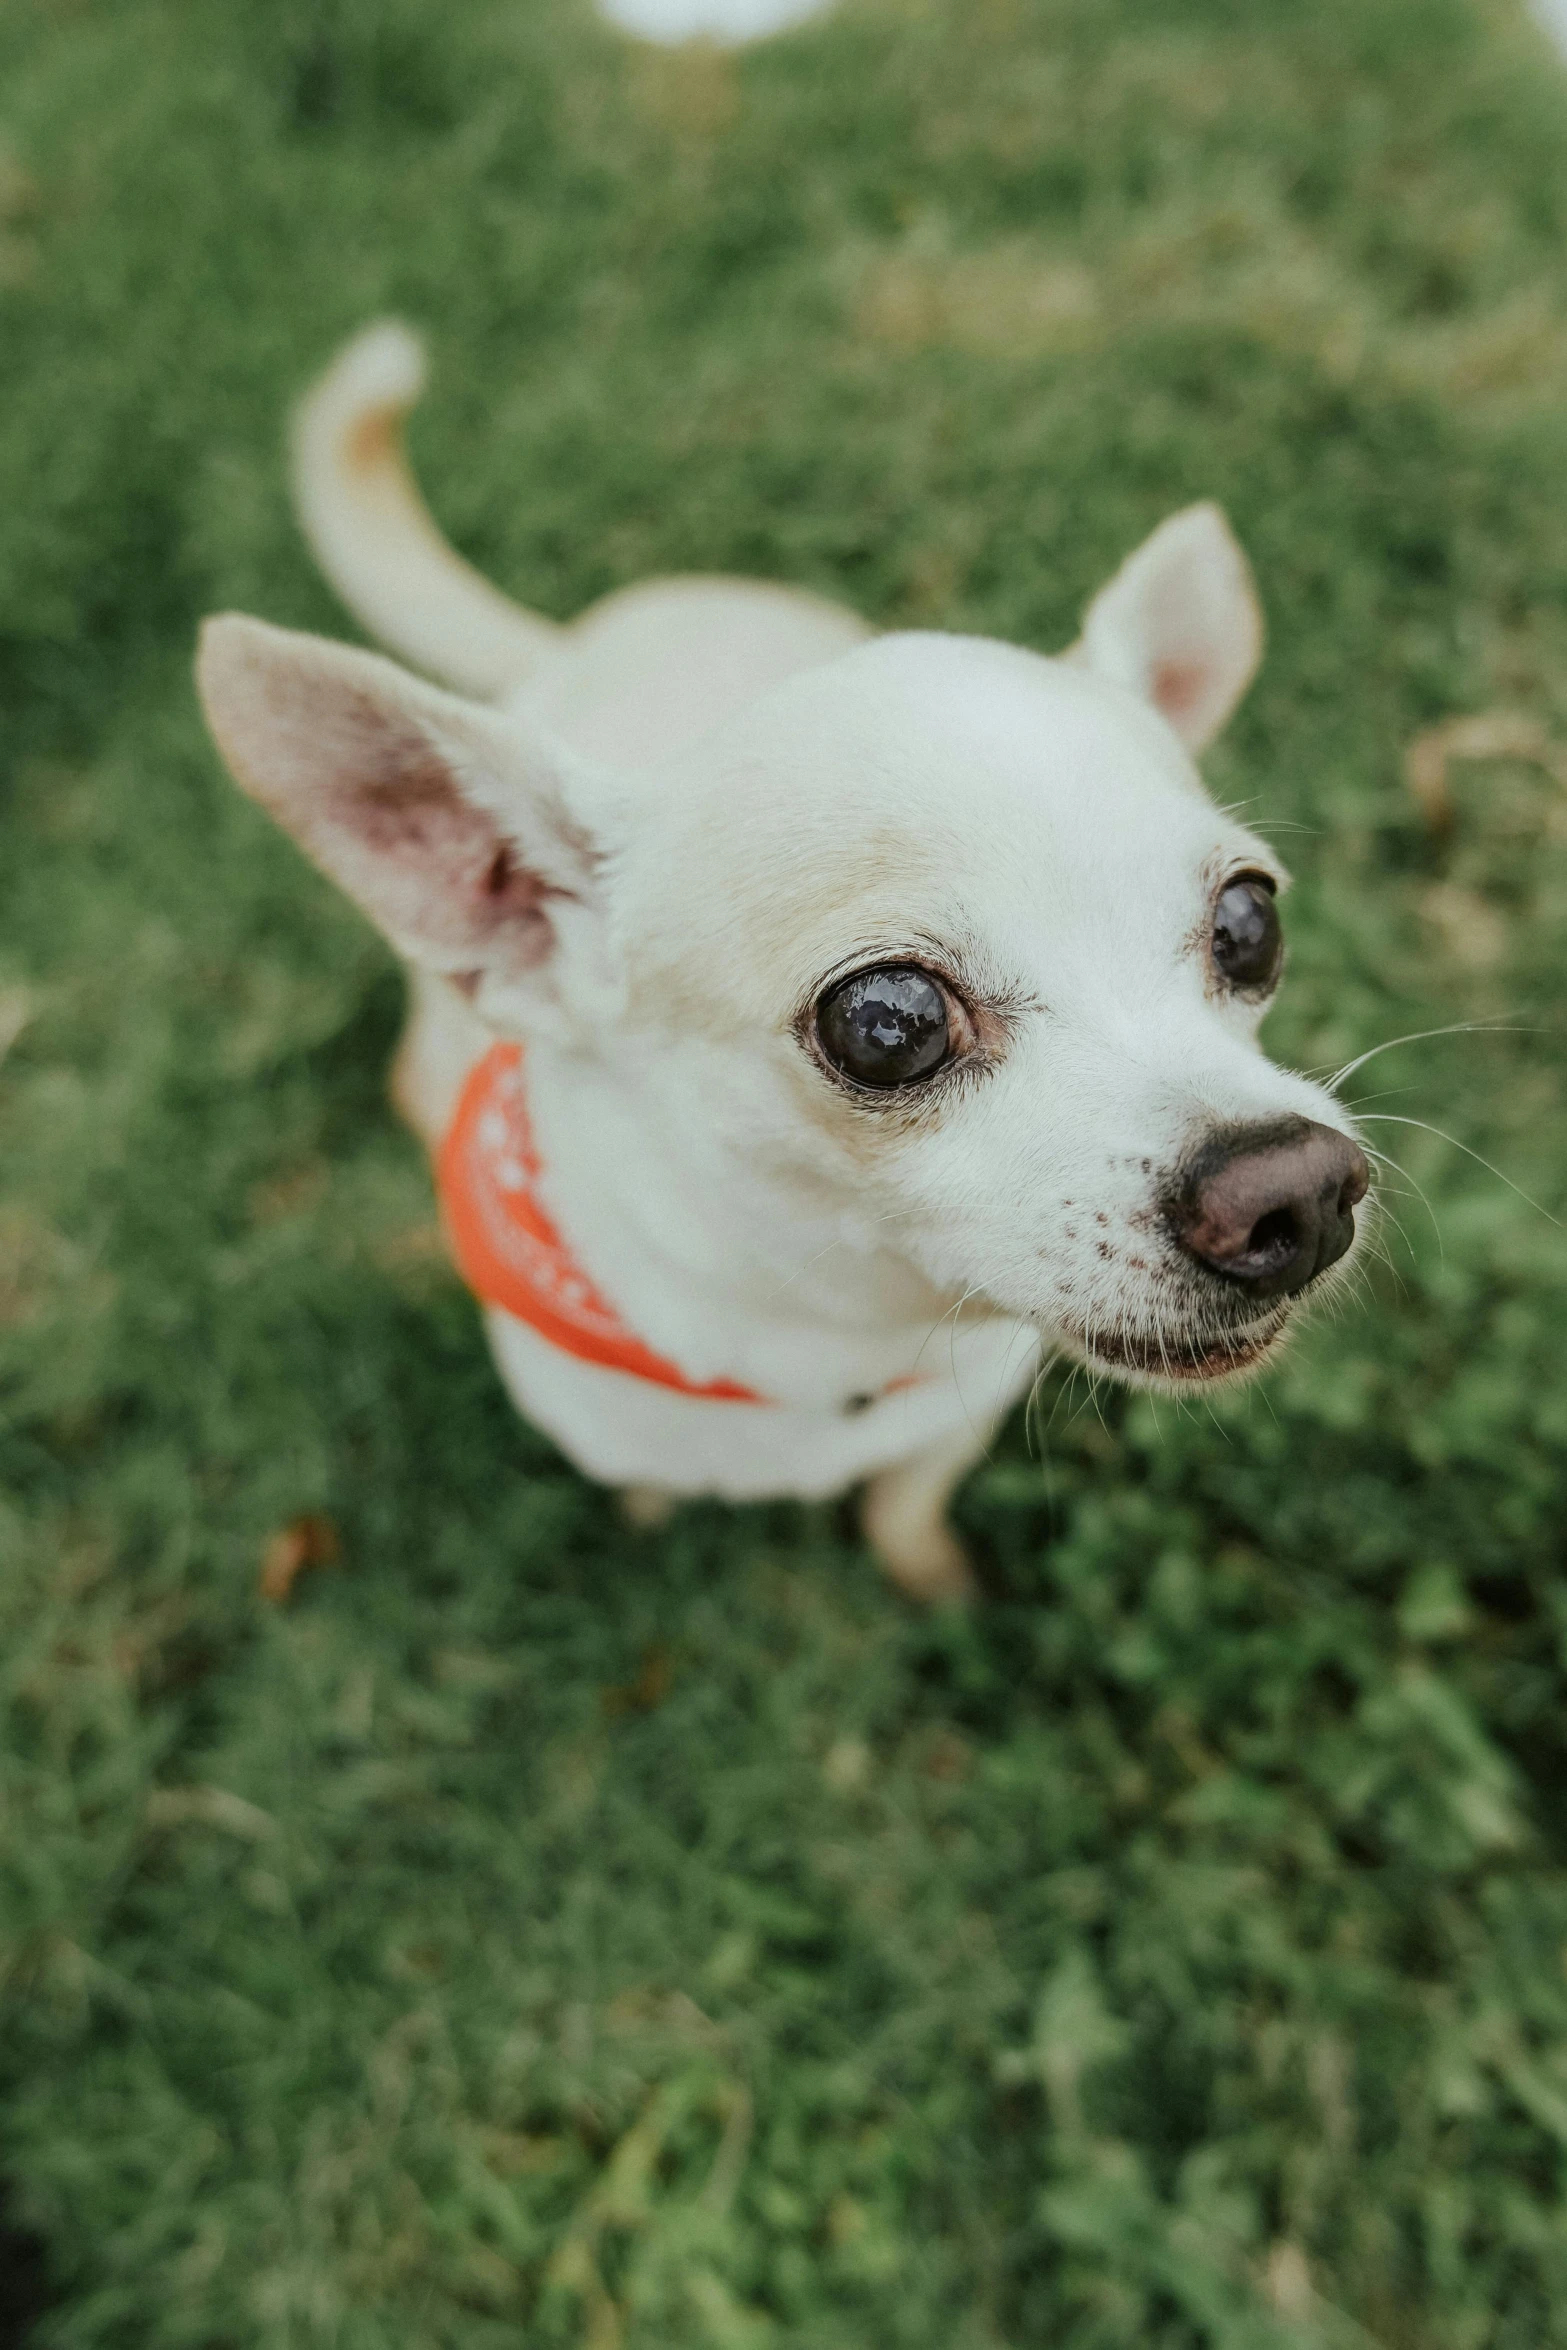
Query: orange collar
{"points": [[508, 1248]]}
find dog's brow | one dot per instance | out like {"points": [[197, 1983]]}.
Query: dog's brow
{"points": [[960, 958], [1232, 858]]}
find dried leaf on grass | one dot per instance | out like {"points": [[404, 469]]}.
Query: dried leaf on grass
{"points": [[1487, 734], [655, 1677], [311, 1541]]}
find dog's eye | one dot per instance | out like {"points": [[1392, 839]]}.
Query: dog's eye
{"points": [[1247, 940], [886, 1027]]}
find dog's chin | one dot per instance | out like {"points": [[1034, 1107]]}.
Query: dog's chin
{"points": [[1181, 1359]]}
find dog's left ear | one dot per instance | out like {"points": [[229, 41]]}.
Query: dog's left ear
{"points": [[452, 826], [1180, 624]]}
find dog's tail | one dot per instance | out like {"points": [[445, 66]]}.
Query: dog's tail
{"points": [[372, 533]]}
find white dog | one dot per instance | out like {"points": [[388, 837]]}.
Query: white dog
{"points": [[810, 1028]]}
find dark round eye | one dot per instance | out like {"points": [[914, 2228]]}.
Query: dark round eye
{"points": [[887, 1027], [1247, 940]]}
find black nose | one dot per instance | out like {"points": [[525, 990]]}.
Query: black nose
{"points": [[1271, 1206]]}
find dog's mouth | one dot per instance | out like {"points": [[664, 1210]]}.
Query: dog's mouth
{"points": [[1182, 1358]]}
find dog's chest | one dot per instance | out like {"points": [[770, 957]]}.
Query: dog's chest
{"points": [[628, 1431]]}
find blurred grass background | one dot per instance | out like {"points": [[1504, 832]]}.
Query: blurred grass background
{"points": [[538, 1932]]}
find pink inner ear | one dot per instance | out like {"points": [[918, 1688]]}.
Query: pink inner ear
{"points": [[428, 856], [1177, 687], [406, 807], [509, 890]]}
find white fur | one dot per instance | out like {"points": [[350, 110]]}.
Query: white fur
{"points": [[731, 22], [729, 795]]}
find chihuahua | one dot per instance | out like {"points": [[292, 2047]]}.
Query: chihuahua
{"points": [[814, 1031]]}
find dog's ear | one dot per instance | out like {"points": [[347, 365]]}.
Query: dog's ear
{"points": [[449, 824], [1180, 624]]}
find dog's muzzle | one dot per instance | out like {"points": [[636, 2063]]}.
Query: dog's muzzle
{"points": [[1269, 1208]]}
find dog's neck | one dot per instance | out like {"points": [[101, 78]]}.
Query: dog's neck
{"points": [[767, 1277]]}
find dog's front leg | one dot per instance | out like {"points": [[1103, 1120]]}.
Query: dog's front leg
{"points": [[904, 1515]]}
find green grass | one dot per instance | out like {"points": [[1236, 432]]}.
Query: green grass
{"points": [[537, 1932]]}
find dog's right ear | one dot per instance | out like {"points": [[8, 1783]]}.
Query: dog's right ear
{"points": [[1180, 624], [451, 826]]}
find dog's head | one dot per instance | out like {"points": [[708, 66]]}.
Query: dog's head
{"points": [[947, 933]]}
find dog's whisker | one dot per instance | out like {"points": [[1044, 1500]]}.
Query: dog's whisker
{"points": [[1384, 1214], [952, 1314], [1093, 1381], [1080, 1371], [1390, 1216], [1498, 1027], [1026, 1334], [1031, 1429], [1047, 1362], [1028, 1411], [983, 1442], [1214, 1417], [1391, 1118], [1264, 827], [1387, 1094], [1384, 1159], [1379, 1251], [1064, 1395], [1381, 1256], [1035, 1403]]}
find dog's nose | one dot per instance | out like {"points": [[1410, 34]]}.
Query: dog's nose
{"points": [[1272, 1206]]}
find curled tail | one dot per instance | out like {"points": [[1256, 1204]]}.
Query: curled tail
{"points": [[371, 530]]}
